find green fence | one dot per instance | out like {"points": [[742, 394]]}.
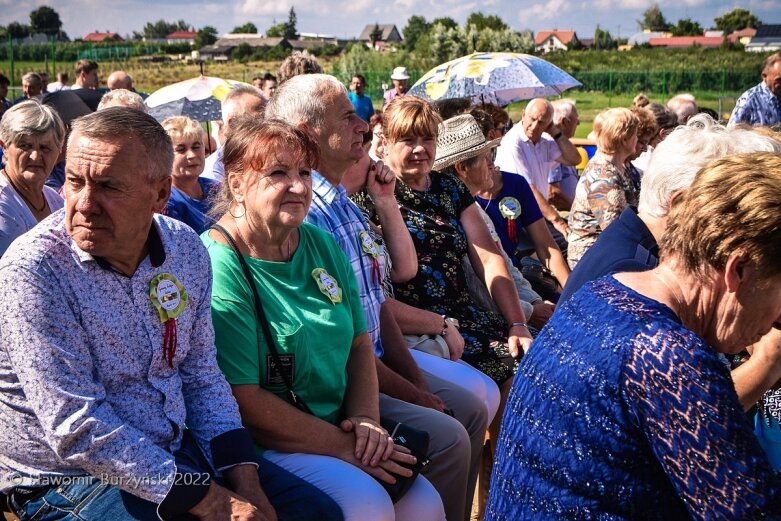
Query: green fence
{"points": [[663, 83]]}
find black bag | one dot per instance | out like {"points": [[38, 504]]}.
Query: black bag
{"points": [[540, 278], [414, 439]]}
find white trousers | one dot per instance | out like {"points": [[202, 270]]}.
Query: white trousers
{"points": [[359, 495]]}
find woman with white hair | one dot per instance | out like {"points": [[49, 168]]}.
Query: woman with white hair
{"points": [[605, 188], [31, 137]]}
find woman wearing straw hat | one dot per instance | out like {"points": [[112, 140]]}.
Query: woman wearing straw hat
{"points": [[462, 150]]}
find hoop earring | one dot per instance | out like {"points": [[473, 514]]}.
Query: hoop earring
{"points": [[242, 213]]}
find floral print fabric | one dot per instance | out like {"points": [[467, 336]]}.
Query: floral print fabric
{"points": [[603, 192]]}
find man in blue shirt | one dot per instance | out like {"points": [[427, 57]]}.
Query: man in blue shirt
{"points": [[761, 105], [361, 102]]}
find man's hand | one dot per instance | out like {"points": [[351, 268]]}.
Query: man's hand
{"points": [[380, 181], [432, 401], [552, 129], [455, 342], [372, 443], [542, 311], [220, 504]]}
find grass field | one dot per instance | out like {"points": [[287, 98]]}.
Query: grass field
{"points": [[149, 77]]}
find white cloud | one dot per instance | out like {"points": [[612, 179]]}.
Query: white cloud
{"points": [[547, 11]]}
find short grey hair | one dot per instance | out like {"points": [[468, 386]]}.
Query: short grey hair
{"points": [[33, 78], [676, 161], [304, 99], [122, 98], [123, 124], [229, 103], [562, 109], [30, 118]]}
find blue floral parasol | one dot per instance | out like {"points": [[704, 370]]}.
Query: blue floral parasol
{"points": [[197, 98], [494, 77]]}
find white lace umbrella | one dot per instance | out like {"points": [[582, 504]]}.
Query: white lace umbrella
{"points": [[494, 77], [197, 98]]}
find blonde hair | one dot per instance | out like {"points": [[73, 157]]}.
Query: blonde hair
{"points": [[732, 205], [182, 127], [646, 123], [613, 128], [408, 116]]}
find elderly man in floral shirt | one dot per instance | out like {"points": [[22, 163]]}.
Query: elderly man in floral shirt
{"points": [[108, 350]]}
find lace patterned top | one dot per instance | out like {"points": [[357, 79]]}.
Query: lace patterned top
{"points": [[619, 412]]}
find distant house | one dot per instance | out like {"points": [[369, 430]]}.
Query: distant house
{"points": [[389, 36], [554, 40], [181, 37], [222, 48], [681, 42], [97, 37], [743, 36], [643, 37], [767, 39]]}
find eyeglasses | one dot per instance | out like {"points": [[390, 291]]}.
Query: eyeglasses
{"points": [[492, 155]]}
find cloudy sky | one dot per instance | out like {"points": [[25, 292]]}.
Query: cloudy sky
{"points": [[346, 19]]}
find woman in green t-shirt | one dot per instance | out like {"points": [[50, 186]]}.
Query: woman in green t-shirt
{"points": [[310, 299]]}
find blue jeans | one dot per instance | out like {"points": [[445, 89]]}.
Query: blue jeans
{"points": [[87, 498]]}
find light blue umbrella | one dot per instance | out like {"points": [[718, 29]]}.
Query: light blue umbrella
{"points": [[494, 77]]}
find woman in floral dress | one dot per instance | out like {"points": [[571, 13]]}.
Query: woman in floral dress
{"points": [[445, 225]]}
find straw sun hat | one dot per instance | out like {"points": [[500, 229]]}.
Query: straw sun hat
{"points": [[460, 138]]}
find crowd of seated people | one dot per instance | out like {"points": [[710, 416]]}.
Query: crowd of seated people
{"points": [[226, 339]]}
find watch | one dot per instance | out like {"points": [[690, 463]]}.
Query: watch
{"points": [[448, 321], [557, 136]]}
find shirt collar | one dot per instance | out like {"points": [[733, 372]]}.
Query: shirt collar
{"points": [[154, 245], [324, 189]]}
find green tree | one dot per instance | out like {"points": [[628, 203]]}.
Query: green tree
{"points": [[291, 32], [653, 19], [16, 30], [45, 20], [242, 53], [480, 21], [603, 39], [375, 35], [247, 28], [416, 27], [206, 36], [446, 22], [276, 30], [736, 20], [686, 27], [160, 29]]}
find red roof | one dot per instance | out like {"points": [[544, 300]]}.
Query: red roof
{"points": [[182, 35], [564, 37], [101, 37], [687, 41], [748, 32]]}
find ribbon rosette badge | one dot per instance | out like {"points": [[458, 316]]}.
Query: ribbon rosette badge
{"points": [[510, 208], [328, 285], [169, 298], [372, 250]]}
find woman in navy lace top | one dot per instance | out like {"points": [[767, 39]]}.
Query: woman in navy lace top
{"points": [[622, 409]]}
